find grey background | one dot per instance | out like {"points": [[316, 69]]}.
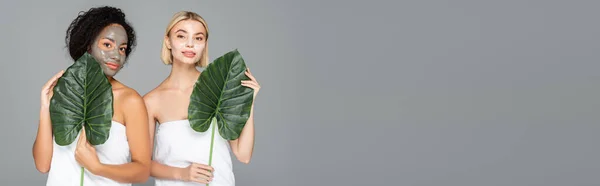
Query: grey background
{"points": [[421, 93]]}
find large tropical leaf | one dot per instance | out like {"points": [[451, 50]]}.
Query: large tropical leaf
{"points": [[82, 97], [218, 93]]}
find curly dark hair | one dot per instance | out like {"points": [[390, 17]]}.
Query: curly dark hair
{"points": [[85, 28]]}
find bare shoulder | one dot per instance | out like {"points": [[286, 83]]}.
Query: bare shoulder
{"points": [[151, 98], [129, 104], [154, 94], [130, 97]]}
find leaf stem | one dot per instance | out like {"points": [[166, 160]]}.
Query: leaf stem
{"points": [[212, 140], [81, 179], [82, 169]]}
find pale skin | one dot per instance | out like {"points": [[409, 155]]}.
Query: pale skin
{"points": [[129, 109], [169, 101]]}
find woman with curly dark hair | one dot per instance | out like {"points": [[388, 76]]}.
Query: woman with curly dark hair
{"points": [[124, 158]]}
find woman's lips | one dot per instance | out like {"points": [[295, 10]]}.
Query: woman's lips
{"points": [[189, 54], [112, 66]]}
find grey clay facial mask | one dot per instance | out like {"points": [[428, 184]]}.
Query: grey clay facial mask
{"points": [[106, 49]]}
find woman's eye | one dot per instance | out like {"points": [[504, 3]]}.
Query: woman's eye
{"points": [[180, 36], [199, 38]]}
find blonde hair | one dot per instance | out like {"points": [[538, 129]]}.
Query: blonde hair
{"points": [[166, 56]]}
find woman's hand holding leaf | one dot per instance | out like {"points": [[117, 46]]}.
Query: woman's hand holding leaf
{"points": [[47, 92], [252, 83], [85, 154], [197, 173]]}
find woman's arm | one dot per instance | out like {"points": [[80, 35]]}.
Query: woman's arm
{"points": [[42, 147], [158, 170], [138, 170], [196, 172], [243, 146]]}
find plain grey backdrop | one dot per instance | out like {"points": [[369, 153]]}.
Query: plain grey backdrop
{"points": [[413, 92]]}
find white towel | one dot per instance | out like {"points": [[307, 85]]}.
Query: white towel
{"points": [[65, 171], [178, 145]]}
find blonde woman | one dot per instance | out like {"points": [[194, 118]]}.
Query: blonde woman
{"points": [[181, 154]]}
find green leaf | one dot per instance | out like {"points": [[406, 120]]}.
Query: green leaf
{"points": [[82, 97], [218, 93]]}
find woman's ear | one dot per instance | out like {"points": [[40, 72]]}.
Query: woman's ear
{"points": [[168, 42]]}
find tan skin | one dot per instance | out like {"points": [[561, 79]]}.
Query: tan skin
{"points": [[129, 109], [169, 101]]}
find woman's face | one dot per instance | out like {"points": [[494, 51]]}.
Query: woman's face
{"points": [[187, 40], [109, 49]]}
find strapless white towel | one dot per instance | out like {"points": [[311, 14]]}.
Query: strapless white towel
{"points": [[65, 171], [178, 145]]}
